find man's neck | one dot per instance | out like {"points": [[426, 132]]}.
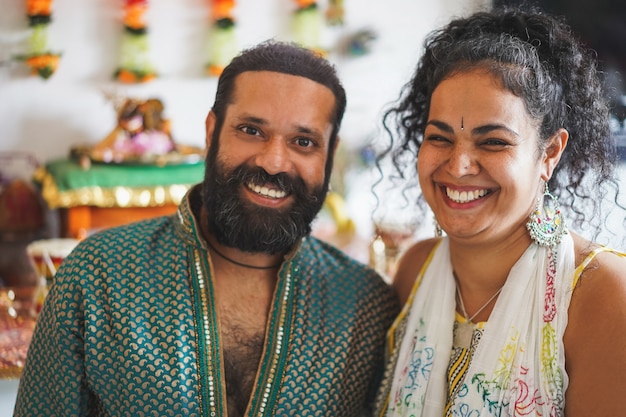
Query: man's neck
{"points": [[237, 258]]}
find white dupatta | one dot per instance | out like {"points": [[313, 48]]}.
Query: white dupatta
{"points": [[519, 366]]}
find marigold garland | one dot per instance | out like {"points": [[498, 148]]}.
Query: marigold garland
{"points": [[307, 25], [135, 65], [222, 42], [39, 58], [335, 13]]}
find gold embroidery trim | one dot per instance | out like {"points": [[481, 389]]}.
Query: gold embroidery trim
{"points": [[153, 196]]}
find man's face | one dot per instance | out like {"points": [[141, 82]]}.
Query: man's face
{"points": [[265, 182]]}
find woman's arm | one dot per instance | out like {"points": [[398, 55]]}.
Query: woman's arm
{"points": [[595, 340], [409, 267]]}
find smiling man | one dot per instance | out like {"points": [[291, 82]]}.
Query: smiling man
{"points": [[229, 307]]}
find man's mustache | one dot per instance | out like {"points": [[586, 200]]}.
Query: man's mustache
{"points": [[257, 175]]}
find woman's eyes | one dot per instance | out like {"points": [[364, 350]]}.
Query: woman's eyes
{"points": [[437, 138], [495, 142], [491, 142]]}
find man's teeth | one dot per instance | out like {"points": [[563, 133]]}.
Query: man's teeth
{"points": [[266, 192], [464, 196]]}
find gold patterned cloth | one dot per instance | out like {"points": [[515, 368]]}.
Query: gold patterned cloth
{"points": [[64, 183], [129, 329]]}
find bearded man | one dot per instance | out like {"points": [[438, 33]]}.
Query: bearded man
{"points": [[229, 307]]}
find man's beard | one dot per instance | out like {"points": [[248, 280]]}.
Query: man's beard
{"points": [[252, 228]]}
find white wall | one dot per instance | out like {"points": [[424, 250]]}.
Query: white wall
{"points": [[47, 117]]}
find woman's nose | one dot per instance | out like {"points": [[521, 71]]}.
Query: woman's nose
{"points": [[462, 162]]}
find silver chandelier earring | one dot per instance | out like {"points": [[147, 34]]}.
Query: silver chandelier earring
{"points": [[546, 224], [438, 229]]}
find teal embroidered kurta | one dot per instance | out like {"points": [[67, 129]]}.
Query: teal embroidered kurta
{"points": [[129, 329]]}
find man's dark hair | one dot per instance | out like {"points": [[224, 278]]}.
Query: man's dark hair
{"points": [[285, 58]]}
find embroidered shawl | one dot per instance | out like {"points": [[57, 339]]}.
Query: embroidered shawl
{"points": [[519, 366]]}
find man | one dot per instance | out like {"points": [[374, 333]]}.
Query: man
{"points": [[228, 308]]}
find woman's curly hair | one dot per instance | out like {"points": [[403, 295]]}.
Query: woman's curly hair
{"points": [[538, 59]]}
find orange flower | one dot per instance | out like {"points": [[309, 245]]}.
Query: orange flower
{"points": [[304, 3], [147, 77], [38, 61], [38, 7], [131, 77], [133, 17], [214, 70], [43, 65], [125, 76], [223, 9]]}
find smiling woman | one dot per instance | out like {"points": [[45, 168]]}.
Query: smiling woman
{"points": [[509, 125], [496, 148]]}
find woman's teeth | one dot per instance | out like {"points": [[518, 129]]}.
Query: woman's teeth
{"points": [[266, 192], [464, 196]]}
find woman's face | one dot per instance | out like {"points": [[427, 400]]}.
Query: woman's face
{"points": [[480, 168]]}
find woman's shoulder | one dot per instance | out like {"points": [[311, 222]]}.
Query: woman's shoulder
{"points": [[596, 262], [410, 264], [600, 275], [600, 288], [595, 337]]}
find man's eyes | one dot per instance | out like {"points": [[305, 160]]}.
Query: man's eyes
{"points": [[250, 130], [300, 141], [305, 142]]}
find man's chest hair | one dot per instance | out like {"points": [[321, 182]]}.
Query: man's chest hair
{"points": [[241, 356]]}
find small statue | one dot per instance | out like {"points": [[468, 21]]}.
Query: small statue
{"points": [[142, 135]]}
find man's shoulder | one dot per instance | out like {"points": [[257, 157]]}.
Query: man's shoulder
{"points": [[329, 260], [319, 248], [123, 248], [133, 235], [343, 280]]}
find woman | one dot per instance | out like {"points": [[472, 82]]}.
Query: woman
{"points": [[510, 314]]}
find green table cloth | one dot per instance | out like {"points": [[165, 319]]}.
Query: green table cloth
{"points": [[64, 183]]}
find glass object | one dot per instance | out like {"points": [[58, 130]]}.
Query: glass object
{"points": [[18, 313], [47, 255], [387, 246]]}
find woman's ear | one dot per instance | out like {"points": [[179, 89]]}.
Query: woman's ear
{"points": [[554, 149], [209, 123]]}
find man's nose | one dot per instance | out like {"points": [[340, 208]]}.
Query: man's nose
{"points": [[274, 156]]}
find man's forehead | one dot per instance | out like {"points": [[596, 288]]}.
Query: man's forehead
{"points": [[252, 77], [298, 93]]}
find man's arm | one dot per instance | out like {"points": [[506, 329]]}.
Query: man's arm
{"points": [[53, 381]]}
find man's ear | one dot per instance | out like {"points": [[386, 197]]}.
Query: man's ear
{"points": [[211, 120], [554, 149]]}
